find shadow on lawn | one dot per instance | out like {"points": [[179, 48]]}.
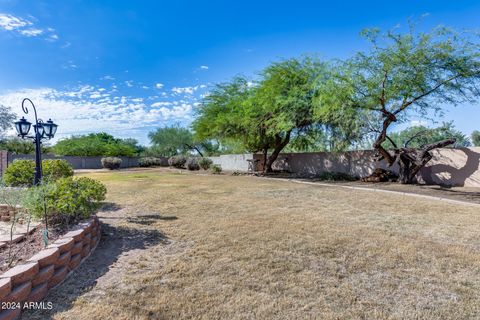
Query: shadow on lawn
{"points": [[115, 241], [149, 219]]}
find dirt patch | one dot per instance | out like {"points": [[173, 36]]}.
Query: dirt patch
{"points": [[23, 250]]}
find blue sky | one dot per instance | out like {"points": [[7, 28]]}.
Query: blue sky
{"points": [[128, 67]]}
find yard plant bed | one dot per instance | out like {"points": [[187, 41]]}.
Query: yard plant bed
{"points": [[30, 281], [26, 248]]}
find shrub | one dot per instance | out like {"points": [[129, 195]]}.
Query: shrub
{"points": [[56, 169], [66, 199], [20, 173], [192, 164], [177, 161], [153, 162], [216, 168], [205, 163], [111, 163]]}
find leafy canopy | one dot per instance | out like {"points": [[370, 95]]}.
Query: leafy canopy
{"points": [[476, 138], [403, 74], [419, 136], [262, 115], [96, 144], [6, 119]]}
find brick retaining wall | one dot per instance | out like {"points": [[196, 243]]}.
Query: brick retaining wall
{"points": [[31, 281]]}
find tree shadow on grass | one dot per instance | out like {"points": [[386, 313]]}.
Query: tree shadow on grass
{"points": [[115, 241], [149, 219], [110, 206]]}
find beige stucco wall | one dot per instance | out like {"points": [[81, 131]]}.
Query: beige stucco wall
{"points": [[449, 166], [456, 167]]}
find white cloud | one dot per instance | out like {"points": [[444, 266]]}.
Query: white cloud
{"points": [[70, 65], [204, 68], [161, 104], [32, 32], [107, 77], [129, 83], [417, 123], [187, 90], [11, 23], [86, 108], [25, 27], [159, 85]]}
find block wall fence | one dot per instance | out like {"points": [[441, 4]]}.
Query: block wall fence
{"points": [[449, 166], [30, 282]]}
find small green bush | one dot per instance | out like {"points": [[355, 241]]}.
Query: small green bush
{"points": [[192, 164], [205, 163], [20, 173], [216, 168], [112, 163], [54, 169], [153, 162], [177, 161], [66, 200]]}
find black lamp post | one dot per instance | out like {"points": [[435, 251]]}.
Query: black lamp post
{"points": [[42, 130]]}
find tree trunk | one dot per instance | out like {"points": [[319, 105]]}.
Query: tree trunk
{"points": [[411, 161], [280, 143], [265, 157]]}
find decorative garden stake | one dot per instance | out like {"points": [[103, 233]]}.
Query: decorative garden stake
{"points": [[42, 131]]}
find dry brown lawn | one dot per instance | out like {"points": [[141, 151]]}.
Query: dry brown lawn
{"points": [[182, 246]]}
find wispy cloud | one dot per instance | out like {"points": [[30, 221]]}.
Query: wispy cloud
{"points": [[25, 27], [87, 108], [187, 90], [159, 85], [204, 67]]}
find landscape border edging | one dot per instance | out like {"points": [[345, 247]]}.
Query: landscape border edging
{"points": [[33, 280]]}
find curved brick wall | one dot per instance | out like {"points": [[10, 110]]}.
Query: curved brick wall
{"points": [[31, 281]]}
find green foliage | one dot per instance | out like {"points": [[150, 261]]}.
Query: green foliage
{"points": [[66, 199], [6, 119], [476, 138], [20, 173], [54, 169], [17, 145], [418, 136], [153, 162], [96, 144], [205, 163], [177, 161], [112, 163], [402, 75], [192, 163], [216, 168], [171, 140], [268, 114]]}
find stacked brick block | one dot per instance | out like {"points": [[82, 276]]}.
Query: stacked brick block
{"points": [[6, 212], [30, 282]]}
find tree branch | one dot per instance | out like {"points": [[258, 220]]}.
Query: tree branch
{"points": [[436, 87]]}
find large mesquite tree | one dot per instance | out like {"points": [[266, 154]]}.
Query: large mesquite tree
{"points": [[264, 115], [403, 74]]}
